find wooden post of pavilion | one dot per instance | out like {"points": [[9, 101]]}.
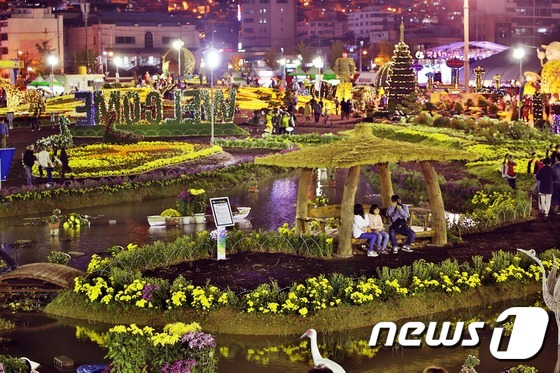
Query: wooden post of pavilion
{"points": [[439, 223], [347, 213], [385, 183], [301, 204]]}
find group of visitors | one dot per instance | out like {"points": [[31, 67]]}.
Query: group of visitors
{"points": [[44, 161], [547, 176], [345, 109], [279, 122], [370, 227]]}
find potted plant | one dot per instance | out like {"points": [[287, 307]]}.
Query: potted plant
{"points": [[199, 204], [172, 217], [54, 221], [185, 205]]}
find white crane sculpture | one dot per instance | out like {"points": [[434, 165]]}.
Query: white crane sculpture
{"points": [[551, 293], [318, 360]]}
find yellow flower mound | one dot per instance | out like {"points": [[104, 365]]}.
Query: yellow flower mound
{"points": [[100, 160]]}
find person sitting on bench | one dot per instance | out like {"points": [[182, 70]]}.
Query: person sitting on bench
{"points": [[361, 228], [399, 215]]}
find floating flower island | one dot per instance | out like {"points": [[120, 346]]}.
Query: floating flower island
{"points": [[102, 160]]}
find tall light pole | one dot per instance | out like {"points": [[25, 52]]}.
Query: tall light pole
{"points": [[85, 12], [518, 54], [212, 60], [360, 52], [318, 63], [178, 45], [466, 31], [52, 61], [118, 61]]}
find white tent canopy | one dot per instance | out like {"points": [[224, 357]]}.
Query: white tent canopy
{"points": [[460, 46]]}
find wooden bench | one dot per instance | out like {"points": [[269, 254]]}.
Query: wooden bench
{"points": [[324, 214]]}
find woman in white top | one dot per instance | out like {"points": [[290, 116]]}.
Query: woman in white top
{"points": [[376, 225], [361, 228]]}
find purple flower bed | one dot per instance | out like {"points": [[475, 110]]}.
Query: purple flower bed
{"points": [[198, 340]]}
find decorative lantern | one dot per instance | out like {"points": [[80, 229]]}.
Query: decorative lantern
{"points": [[478, 73], [455, 64], [430, 85], [497, 82]]}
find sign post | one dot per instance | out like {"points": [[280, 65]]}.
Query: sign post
{"points": [[223, 217], [6, 156]]}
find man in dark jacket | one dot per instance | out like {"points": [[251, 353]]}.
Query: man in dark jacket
{"points": [[545, 176], [28, 162]]}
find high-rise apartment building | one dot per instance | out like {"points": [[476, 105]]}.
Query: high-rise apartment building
{"points": [[27, 27], [528, 22], [268, 24]]}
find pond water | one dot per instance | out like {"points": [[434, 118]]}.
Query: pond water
{"points": [[279, 354], [271, 207]]}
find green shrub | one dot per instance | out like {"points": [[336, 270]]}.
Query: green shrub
{"points": [[458, 107], [441, 122], [13, 364], [58, 257]]}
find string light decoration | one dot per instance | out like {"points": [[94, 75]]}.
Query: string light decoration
{"points": [[88, 109], [177, 113], [62, 140], [400, 78], [131, 111], [479, 73], [15, 97], [537, 107], [223, 110], [154, 108], [194, 107], [497, 82]]}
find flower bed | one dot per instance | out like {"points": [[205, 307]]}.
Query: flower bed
{"points": [[109, 283], [178, 348], [101, 160]]}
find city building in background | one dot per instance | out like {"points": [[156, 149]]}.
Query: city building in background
{"points": [[268, 24], [25, 28], [140, 39]]}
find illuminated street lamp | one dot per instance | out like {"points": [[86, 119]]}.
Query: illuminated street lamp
{"points": [[519, 54], [178, 45], [118, 61], [106, 55], [52, 61], [212, 59], [318, 63]]}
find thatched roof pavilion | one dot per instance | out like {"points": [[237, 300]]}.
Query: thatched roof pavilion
{"points": [[362, 148]]}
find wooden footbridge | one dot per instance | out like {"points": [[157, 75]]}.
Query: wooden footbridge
{"points": [[39, 277]]}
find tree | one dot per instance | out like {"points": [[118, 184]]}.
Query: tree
{"points": [[271, 60], [400, 79], [81, 59], [44, 50], [305, 52], [337, 48], [385, 49], [409, 105]]}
